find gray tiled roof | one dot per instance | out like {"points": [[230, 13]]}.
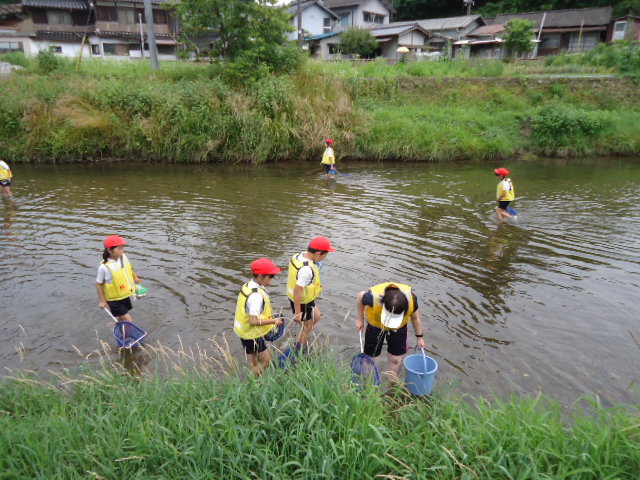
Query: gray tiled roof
{"points": [[354, 3], [560, 18], [65, 4], [449, 22], [292, 8], [10, 9]]}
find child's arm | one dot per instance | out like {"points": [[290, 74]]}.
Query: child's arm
{"points": [[256, 321], [101, 297]]}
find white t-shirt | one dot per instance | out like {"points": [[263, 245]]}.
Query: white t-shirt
{"points": [[104, 272], [329, 153], [255, 302], [305, 274]]}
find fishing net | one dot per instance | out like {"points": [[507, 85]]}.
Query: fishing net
{"points": [[277, 332], [287, 359], [364, 370], [128, 335]]}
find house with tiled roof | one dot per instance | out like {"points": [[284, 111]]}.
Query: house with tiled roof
{"points": [[555, 31], [96, 28]]}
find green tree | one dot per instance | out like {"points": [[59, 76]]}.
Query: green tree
{"points": [[232, 27], [358, 41], [518, 35]]}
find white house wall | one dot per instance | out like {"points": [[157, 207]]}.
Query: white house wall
{"points": [[312, 21], [413, 39], [68, 49], [372, 6]]}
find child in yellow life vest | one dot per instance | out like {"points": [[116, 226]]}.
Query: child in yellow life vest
{"points": [[304, 286], [116, 280], [388, 308], [328, 158], [254, 315], [5, 179], [505, 193]]}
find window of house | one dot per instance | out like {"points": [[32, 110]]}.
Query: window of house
{"points": [[95, 49], [39, 15], [166, 49], [127, 16], [619, 30], [334, 48], [550, 42], [6, 47], [82, 18], [107, 14], [59, 17], [373, 18], [344, 20], [327, 25], [109, 48], [160, 17], [55, 48]]}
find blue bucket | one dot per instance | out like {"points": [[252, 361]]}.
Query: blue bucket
{"points": [[419, 373]]}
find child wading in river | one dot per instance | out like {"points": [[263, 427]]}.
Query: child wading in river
{"points": [[116, 280], [254, 315]]}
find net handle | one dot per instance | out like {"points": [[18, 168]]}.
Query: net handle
{"points": [[361, 344]]}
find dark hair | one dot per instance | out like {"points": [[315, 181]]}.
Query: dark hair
{"points": [[106, 255], [315, 250], [395, 300]]}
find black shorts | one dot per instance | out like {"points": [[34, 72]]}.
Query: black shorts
{"points": [[5, 183], [396, 341], [120, 307], [503, 205], [254, 345], [326, 168], [306, 308]]}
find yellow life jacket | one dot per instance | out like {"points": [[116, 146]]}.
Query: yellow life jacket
{"points": [[5, 171], [310, 292], [122, 283], [509, 195], [242, 325], [373, 313], [326, 158]]}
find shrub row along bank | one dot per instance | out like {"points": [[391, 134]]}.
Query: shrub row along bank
{"points": [[197, 115], [309, 423]]}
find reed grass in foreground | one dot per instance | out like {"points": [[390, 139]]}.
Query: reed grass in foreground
{"points": [[308, 423]]}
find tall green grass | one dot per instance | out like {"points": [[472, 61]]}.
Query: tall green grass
{"points": [[307, 423], [201, 113]]}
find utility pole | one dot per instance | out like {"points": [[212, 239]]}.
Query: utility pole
{"points": [[300, 23], [141, 36], [468, 3], [151, 35]]}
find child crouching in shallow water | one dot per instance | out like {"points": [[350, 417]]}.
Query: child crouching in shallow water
{"points": [[116, 280], [254, 315]]}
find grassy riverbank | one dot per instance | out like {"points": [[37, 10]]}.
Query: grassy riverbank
{"points": [[309, 423], [422, 111]]}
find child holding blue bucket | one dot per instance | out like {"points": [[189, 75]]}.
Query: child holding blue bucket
{"points": [[254, 316], [116, 280], [388, 308]]}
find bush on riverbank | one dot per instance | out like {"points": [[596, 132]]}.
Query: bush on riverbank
{"points": [[196, 113], [309, 423]]}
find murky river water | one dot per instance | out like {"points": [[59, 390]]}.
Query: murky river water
{"points": [[545, 304]]}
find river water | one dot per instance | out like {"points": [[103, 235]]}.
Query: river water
{"points": [[547, 304]]}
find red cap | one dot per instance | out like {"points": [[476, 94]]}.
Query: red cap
{"points": [[264, 266], [114, 241], [322, 244], [503, 172], [329, 141]]}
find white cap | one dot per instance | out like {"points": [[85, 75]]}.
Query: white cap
{"points": [[390, 319]]}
